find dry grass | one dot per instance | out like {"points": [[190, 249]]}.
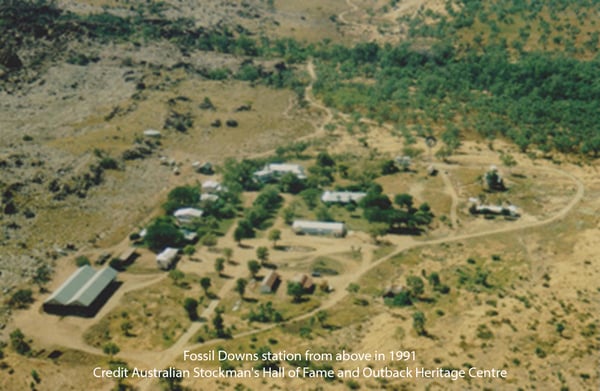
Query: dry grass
{"points": [[156, 315]]}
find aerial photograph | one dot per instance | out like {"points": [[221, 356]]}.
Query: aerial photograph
{"points": [[299, 195]]}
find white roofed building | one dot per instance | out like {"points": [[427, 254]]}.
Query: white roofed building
{"points": [[152, 133], [208, 197], [166, 258], [187, 215], [319, 228], [273, 171], [211, 187], [342, 197]]}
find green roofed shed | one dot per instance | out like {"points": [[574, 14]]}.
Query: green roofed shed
{"points": [[69, 288], [84, 292], [94, 287]]}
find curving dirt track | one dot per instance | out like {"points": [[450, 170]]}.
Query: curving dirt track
{"points": [[165, 357]]}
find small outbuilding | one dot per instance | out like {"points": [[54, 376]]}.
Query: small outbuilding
{"points": [[204, 197], [167, 258], [152, 133], [211, 187], [128, 255], [392, 290], [187, 215], [205, 168], [270, 282], [325, 228], [305, 282]]}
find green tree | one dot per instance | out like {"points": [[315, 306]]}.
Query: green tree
{"points": [[402, 299], [274, 236], [42, 276], [111, 349], [253, 267], [82, 260], [419, 322], [18, 343], [322, 316], [325, 160], [289, 215], [415, 285], [191, 307], [219, 323], [295, 290], [240, 286], [205, 284], [290, 183], [389, 167], [180, 197], [310, 197], [126, 327], [176, 276], [36, 376], [162, 233], [21, 298], [262, 253], [172, 383], [404, 201], [238, 235], [434, 279], [228, 253], [376, 230], [219, 265], [209, 240], [322, 214]]}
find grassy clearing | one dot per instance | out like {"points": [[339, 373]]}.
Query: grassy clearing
{"points": [[155, 314]]}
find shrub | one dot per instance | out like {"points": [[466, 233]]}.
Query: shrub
{"points": [[82, 260], [108, 163], [21, 298], [18, 343]]}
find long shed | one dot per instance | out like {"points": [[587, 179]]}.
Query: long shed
{"points": [[83, 293], [319, 228]]}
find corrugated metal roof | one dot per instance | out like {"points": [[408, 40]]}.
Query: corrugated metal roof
{"points": [[70, 287], [95, 285], [342, 196], [82, 287], [318, 225]]}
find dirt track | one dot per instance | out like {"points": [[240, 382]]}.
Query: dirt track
{"points": [[165, 357]]}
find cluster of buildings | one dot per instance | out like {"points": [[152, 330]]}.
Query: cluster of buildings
{"points": [[210, 192], [272, 281]]}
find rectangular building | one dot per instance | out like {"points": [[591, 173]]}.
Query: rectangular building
{"points": [[325, 228], [83, 293]]}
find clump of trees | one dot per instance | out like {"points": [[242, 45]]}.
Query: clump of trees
{"points": [[19, 344], [377, 208], [181, 197], [265, 313], [162, 233], [257, 217], [21, 299]]}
